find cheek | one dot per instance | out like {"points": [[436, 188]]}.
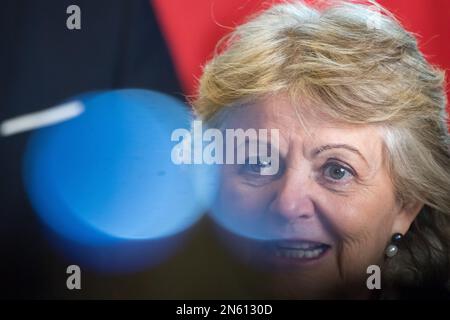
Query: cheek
{"points": [[362, 222], [242, 199]]}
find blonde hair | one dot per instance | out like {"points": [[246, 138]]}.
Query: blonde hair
{"points": [[362, 67]]}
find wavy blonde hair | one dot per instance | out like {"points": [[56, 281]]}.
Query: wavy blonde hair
{"points": [[362, 67]]}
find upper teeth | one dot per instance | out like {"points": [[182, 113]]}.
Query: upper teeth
{"points": [[298, 253], [298, 245]]}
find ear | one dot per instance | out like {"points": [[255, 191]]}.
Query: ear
{"points": [[405, 217]]}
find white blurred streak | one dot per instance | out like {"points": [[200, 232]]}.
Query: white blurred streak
{"points": [[42, 118]]}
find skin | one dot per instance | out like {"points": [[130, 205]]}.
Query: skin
{"points": [[333, 187]]}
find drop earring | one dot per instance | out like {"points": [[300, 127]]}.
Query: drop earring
{"points": [[392, 248]]}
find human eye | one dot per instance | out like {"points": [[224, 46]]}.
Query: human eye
{"points": [[254, 165], [335, 172]]}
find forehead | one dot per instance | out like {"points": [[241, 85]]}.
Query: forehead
{"points": [[304, 124]]}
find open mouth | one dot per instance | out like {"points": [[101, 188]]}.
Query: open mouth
{"points": [[299, 249]]}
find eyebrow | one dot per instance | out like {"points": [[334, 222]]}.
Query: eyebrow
{"points": [[320, 149], [246, 143]]}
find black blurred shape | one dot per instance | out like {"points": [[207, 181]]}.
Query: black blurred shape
{"points": [[42, 63]]}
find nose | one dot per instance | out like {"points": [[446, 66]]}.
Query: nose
{"points": [[293, 197]]}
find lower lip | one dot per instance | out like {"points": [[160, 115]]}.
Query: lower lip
{"points": [[289, 256]]}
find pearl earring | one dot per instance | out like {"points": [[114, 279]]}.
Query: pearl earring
{"points": [[392, 248]]}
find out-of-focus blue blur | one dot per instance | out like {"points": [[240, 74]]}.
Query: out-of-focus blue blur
{"points": [[105, 183]]}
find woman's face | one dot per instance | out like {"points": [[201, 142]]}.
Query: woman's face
{"points": [[328, 213]]}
